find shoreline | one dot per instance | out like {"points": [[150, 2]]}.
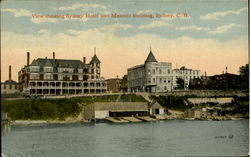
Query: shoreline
{"points": [[39, 122]]}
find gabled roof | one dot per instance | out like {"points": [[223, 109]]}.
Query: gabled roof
{"points": [[47, 63], [121, 106], [61, 63], [155, 105], [150, 58], [10, 82], [34, 63], [94, 59]]}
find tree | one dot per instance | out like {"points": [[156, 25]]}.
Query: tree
{"points": [[180, 83], [244, 76]]}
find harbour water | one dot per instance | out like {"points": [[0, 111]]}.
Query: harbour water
{"points": [[159, 138]]}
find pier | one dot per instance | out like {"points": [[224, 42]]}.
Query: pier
{"points": [[5, 123]]}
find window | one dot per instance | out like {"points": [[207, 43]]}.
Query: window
{"points": [[153, 71], [48, 77], [10, 86], [48, 69], [159, 71], [92, 76], [80, 77], [169, 71], [15, 86], [80, 70], [34, 69], [149, 71], [60, 77], [34, 76], [4, 86], [165, 81], [154, 80], [160, 80]]}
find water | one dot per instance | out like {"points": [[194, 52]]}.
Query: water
{"points": [[161, 138]]}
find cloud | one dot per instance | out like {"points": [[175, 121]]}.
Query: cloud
{"points": [[144, 11], [27, 13], [223, 29], [43, 20], [155, 24], [218, 15], [193, 27], [43, 31], [116, 26], [18, 13], [126, 52], [82, 7]]}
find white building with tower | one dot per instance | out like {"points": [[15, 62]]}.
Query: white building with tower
{"points": [[154, 76]]}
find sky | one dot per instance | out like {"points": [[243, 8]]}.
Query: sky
{"points": [[204, 35]]}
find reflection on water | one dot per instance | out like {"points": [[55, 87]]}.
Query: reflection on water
{"points": [[161, 138]]}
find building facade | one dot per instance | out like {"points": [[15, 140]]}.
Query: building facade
{"points": [[53, 76], [9, 86], [152, 76], [186, 74], [114, 85]]}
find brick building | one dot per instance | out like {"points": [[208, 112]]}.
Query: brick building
{"points": [[9, 86], [51, 76]]}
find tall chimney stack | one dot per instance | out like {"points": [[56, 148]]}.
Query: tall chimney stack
{"points": [[54, 55], [84, 60], [28, 58], [9, 72]]}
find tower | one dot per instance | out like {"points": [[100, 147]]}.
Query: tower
{"points": [[95, 66]]}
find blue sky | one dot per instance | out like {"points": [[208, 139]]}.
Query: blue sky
{"points": [[216, 22]]}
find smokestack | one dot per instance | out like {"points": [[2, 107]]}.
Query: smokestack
{"points": [[84, 60], [9, 72], [28, 58], [54, 55]]}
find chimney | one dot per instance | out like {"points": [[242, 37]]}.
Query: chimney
{"points": [[28, 58], [84, 60], [9, 72], [54, 55]]}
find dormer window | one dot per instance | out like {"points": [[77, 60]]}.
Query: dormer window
{"points": [[80, 70], [48, 69]]}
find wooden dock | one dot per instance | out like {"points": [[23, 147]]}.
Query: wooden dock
{"points": [[146, 118], [132, 119], [116, 120]]}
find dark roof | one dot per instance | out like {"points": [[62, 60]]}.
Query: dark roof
{"points": [[94, 59], [34, 63], [61, 63], [150, 58], [10, 82], [48, 63]]}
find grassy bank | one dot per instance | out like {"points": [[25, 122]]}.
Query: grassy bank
{"points": [[57, 109]]}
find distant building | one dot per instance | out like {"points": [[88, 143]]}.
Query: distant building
{"points": [[225, 81], [102, 110], [156, 109], [186, 74], [152, 76], [51, 76], [124, 84], [200, 83], [114, 85], [9, 86]]}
